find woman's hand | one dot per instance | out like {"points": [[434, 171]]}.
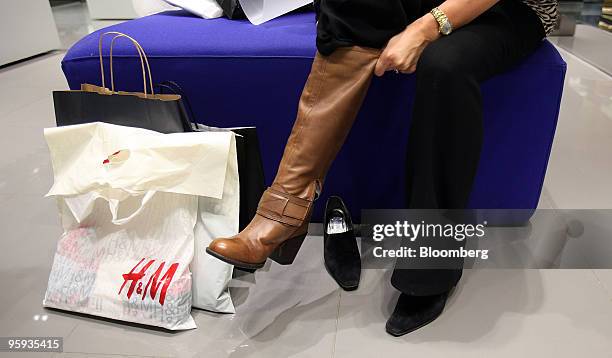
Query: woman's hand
{"points": [[403, 51]]}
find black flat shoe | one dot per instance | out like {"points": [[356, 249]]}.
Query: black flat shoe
{"points": [[340, 251], [414, 312]]}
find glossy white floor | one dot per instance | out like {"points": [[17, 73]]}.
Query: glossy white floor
{"points": [[298, 311]]}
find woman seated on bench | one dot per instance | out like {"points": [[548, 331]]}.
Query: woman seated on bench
{"points": [[452, 46]]}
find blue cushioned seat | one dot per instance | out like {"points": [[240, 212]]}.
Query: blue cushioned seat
{"points": [[238, 74]]}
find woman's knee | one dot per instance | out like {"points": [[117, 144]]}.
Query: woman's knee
{"points": [[441, 60]]}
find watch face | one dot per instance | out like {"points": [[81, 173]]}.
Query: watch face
{"points": [[446, 28]]}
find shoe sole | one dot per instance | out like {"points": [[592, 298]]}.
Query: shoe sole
{"points": [[342, 286], [403, 333], [284, 254], [249, 267]]}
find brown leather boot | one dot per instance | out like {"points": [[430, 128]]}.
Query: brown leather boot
{"points": [[331, 99]]}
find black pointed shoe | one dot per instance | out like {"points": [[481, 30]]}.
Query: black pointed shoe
{"points": [[414, 312], [340, 251]]}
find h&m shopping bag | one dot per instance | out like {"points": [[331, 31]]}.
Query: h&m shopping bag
{"points": [[129, 204], [122, 267]]}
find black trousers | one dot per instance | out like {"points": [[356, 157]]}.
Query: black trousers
{"points": [[446, 135]]}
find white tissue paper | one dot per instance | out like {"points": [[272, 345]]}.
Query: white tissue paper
{"points": [[260, 11], [208, 9]]}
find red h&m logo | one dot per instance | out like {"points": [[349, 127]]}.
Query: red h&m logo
{"points": [[154, 281]]}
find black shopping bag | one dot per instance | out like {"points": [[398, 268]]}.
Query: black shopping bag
{"points": [[163, 113], [232, 9], [250, 172]]}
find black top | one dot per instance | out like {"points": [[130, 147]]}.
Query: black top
{"points": [[368, 23], [371, 23]]}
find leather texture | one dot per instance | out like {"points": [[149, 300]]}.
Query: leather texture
{"points": [[330, 101], [284, 208]]}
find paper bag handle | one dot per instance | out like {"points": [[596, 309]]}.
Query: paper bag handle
{"points": [[114, 208], [143, 61]]}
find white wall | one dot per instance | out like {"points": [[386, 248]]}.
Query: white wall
{"points": [[27, 28]]}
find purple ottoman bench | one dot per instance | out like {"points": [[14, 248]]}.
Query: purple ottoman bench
{"points": [[238, 74]]}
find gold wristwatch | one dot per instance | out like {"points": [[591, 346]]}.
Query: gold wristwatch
{"points": [[444, 23]]}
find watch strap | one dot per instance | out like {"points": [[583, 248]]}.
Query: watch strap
{"points": [[445, 26]]}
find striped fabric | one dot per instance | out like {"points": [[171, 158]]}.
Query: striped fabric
{"points": [[546, 10]]}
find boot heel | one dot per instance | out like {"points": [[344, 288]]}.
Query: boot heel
{"points": [[285, 254]]}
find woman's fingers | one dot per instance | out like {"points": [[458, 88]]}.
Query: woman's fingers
{"points": [[411, 69], [392, 60], [382, 65], [402, 52], [389, 61]]}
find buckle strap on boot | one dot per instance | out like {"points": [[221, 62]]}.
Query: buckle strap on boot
{"points": [[283, 207]]}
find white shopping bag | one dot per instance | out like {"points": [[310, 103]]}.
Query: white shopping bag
{"points": [[126, 268], [217, 217], [129, 204]]}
